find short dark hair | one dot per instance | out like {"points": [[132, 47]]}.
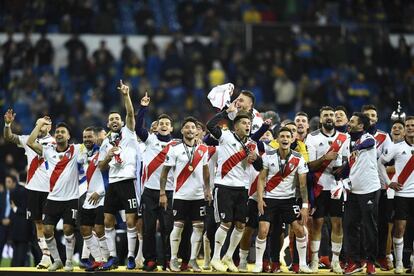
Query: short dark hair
{"points": [[164, 116], [302, 113], [409, 118], [326, 108], [284, 129], [65, 125], [189, 119], [398, 121], [13, 177], [200, 124], [114, 112], [98, 129], [341, 108], [250, 95], [287, 122], [366, 107], [362, 119], [242, 115], [90, 128]]}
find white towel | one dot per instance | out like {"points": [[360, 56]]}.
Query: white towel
{"points": [[220, 95]]}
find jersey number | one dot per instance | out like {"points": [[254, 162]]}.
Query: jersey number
{"points": [[132, 203]]}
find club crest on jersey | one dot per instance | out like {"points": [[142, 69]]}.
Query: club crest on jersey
{"points": [[67, 154], [291, 166], [200, 152], [339, 142]]}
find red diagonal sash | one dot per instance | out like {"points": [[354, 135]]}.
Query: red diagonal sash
{"points": [[185, 173], [60, 166], [158, 160], [335, 146], [407, 171], [235, 159], [380, 138], [34, 165], [253, 187], [277, 178], [211, 152], [91, 169]]}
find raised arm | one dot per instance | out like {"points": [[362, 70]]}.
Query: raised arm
{"points": [[9, 136], [212, 125], [130, 119], [141, 131], [31, 141]]}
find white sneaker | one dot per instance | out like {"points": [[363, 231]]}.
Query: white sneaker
{"points": [[194, 265], [243, 267], [218, 265], [230, 265], [314, 266], [206, 266], [139, 263], [174, 265], [336, 267], [68, 266], [305, 269], [45, 262], [55, 266], [257, 268], [399, 269]]}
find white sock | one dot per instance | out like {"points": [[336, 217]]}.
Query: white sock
{"points": [[51, 244], [70, 246], [398, 250], [315, 250], [260, 249], [219, 239], [243, 254], [85, 251], [103, 246], [301, 246], [390, 257], [93, 246], [207, 249], [175, 239], [336, 250], [235, 239], [110, 235], [139, 257], [132, 241], [196, 238], [43, 246]]}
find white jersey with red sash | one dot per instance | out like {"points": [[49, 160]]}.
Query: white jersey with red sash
{"points": [[62, 168], [95, 178], [232, 166], [123, 165], [187, 163], [37, 177], [403, 154], [363, 173], [152, 159], [383, 141], [212, 163], [257, 121], [280, 182], [319, 144]]}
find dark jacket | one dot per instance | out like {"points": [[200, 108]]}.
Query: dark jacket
{"points": [[21, 228]]}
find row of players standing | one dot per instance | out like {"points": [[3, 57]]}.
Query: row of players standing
{"points": [[237, 157]]}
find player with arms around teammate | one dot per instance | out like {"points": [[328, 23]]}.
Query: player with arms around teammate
{"points": [[91, 214], [37, 180], [118, 154], [235, 156], [276, 196], [62, 202], [403, 184], [192, 188]]}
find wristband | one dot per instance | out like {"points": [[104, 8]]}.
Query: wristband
{"points": [[305, 205], [7, 124]]}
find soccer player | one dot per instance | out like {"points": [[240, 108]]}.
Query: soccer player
{"points": [[383, 142], [62, 202], [118, 154], [91, 214], [341, 119], [192, 188], [157, 145], [325, 148], [235, 156], [37, 180], [245, 102], [302, 122], [278, 180], [362, 205], [403, 184]]}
